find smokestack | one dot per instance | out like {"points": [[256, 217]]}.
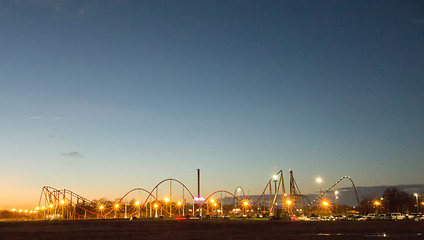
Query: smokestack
{"points": [[198, 182]]}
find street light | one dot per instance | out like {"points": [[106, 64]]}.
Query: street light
{"points": [[246, 204], [319, 181], [166, 204], [137, 204], [377, 203], [275, 179], [116, 208], [179, 208], [62, 202], [336, 194], [207, 204], [156, 210], [418, 206]]}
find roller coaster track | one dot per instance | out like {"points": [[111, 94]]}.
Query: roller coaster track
{"points": [[328, 189], [73, 201], [55, 197]]}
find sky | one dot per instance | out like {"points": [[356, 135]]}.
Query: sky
{"points": [[100, 97]]}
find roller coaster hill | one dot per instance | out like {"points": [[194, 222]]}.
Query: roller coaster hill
{"points": [[273, 202]]}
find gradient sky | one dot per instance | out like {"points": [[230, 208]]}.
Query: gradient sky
{"points": [[103, 96]]}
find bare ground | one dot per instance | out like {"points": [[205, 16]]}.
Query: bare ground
{"points": [[208, 229]]}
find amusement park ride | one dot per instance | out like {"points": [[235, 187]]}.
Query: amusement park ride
{"points": [[274, 200]]}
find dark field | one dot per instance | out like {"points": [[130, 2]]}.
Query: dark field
{"points": [[209, 229]]}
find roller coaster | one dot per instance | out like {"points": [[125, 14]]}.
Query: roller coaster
{"points": [[140, 202]]}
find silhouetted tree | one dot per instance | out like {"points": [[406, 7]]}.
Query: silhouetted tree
{"points": [[397, 201], [366, 205]]}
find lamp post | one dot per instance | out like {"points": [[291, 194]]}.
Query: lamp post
{"points": [[325, 204], [137, 205], [377, 203], [319, 181], [101, 207], [336, 194], [166, 205], [418, 206], [62, 202], [116, 208], [288, 202], [179, 208], [246, 204], [275, 179]]}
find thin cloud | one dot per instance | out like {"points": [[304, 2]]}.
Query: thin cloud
{"points": [[57, 118], [73, 155], [66, 7], [419, 21]]}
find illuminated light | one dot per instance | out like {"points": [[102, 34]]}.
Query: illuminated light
{"points": [[26, 211], [43, 207], [30, 212], [336, 192], [117, 205], [166, 199], [416, 194], [318, 179], [199, 199], [214, 204], [13, 209], [137, 203], [156, 205], [377, 203], [288, 202], [37, 208], [51, 206], [181, 218], [325, 203], [179, 203], [245, 203], [35, 211], [20, 210], [275, 178], [212, 201], [101, 207], [62, 202]]}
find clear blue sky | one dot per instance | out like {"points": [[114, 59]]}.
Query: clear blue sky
{"points": [[103, 96]]}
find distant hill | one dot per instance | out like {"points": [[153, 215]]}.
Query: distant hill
{"points": [[347, 194]]}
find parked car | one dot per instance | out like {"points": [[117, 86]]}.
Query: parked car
{"points": [[371, 216], [356, 218], [395, 216], [380, 217], [414, 216], [338, 217]]}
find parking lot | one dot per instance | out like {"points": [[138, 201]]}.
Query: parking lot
{"points": [[210, 229]]}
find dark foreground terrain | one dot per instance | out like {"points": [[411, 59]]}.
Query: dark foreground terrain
{"points": [[208, 229]]}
